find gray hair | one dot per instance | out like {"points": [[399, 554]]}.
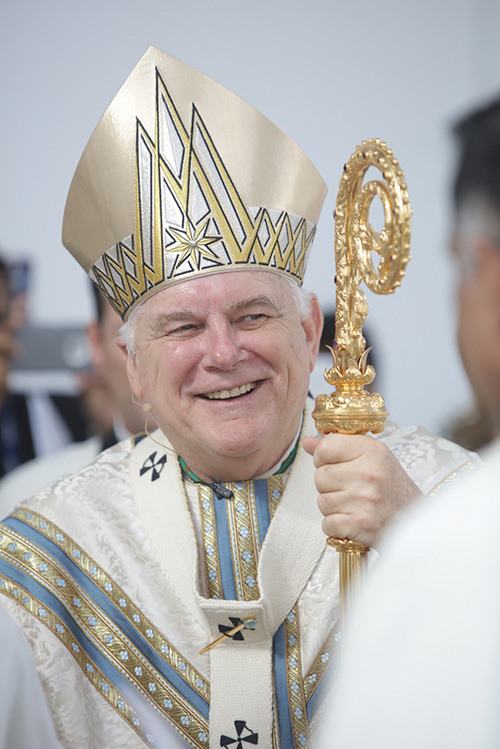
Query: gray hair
{"points": [[302, 301], [302, 298], [127, 330]]}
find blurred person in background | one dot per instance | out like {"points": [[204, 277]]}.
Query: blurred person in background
{"points": [[476, 246], [7, 342], [108, 405], [20, 686], [108, 363], [421, 659], [36, 423]]}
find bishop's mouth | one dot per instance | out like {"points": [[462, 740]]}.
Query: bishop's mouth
{"points": [[236, 392]]}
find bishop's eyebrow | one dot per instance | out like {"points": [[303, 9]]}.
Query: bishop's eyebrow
{"points": [[183, 314], [254, 301], [162, 319]]}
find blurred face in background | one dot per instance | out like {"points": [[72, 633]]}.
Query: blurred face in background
{"points": [[109, 364], [478, 253]]}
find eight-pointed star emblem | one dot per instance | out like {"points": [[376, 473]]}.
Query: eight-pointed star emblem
{"points": [[193, 243]]}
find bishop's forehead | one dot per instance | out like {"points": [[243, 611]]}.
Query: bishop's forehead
{"points": [[228, 294]]}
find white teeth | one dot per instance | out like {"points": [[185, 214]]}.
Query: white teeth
{"points": [[224, 394]]}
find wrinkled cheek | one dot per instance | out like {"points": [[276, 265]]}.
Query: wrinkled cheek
{"points": [[299, 375], [148, 377], [159, 383]]}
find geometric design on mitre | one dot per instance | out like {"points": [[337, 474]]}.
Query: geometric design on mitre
{"points": [[190, 219]]}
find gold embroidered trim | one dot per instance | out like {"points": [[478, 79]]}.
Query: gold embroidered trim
{"points": [[211, 563], [35, 607], [101, 631], [244, 538], [322, 662], [296, 696], [245, 549], [275, 487], [115, 594]]}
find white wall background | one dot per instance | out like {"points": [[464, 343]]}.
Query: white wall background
{"points": [[330, 74]]}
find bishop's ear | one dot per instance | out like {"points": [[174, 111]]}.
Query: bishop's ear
{"points": [[131, 367], [313, 327]]}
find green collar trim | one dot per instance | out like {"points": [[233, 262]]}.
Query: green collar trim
{"points": [[283, 467]]}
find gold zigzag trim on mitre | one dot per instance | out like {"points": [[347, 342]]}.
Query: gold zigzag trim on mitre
{"points": [[190, 219]]}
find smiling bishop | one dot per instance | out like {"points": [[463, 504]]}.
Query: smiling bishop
{"points": [[178, 591]]}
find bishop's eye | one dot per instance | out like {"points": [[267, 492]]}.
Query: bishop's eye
{"points": [[184, 328], [183, 331]]}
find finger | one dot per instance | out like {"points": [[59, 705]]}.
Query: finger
{"points": [[338, 526], [343, 448], [355, 500], [355, 481], [309, 444], [342, 525], [334, 477], [332, 448], [333, 502]]}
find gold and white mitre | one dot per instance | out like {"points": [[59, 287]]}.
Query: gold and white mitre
{"points": [[181, 178]]}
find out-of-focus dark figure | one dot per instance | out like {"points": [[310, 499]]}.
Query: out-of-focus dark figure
{"points": [[7, 344], [30, 424], [108, 405], [476, 245]]}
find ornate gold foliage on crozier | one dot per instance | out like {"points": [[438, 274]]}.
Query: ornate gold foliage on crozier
{"points": [[190, 219], [350, 409]]}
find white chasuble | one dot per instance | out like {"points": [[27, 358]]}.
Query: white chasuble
{"points": [[121, 573]]}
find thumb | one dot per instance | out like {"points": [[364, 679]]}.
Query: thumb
{"points": [[309, 444]]}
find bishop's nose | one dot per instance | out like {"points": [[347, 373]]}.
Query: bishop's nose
{"points": [[222, 349]]}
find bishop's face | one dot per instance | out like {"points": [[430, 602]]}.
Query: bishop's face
{"points": [[224, 360]]}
